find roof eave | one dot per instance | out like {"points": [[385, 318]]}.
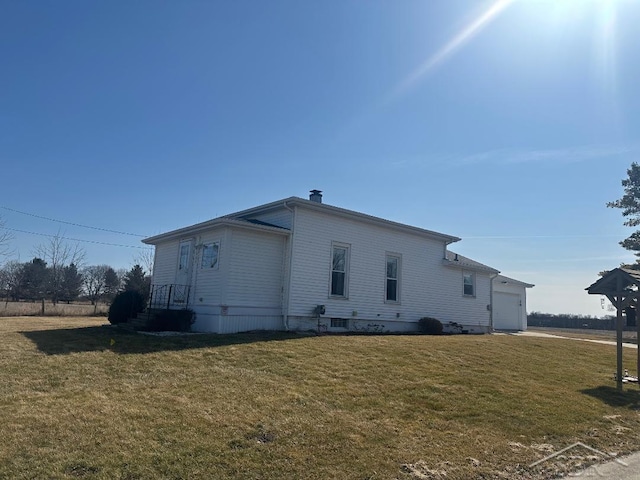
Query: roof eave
{"points": [[467, 266], [297, 201], [217, 222], [508, 280]]}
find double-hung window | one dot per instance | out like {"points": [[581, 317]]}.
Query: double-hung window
{"points": [[468, 284], [392, 284], [339, 270], [210, 255]]}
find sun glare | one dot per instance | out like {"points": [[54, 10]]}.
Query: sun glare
{"points": [[462, 37], [559, 15]]}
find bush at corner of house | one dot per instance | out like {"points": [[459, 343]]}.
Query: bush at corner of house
{"points": [[430, 326], [172, 321], [125, 305]]}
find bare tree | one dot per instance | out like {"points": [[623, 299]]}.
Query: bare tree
{"points": [[6, 237], [145, 259], [11, 279], [121, 273], [94, 281], [58, 253]]}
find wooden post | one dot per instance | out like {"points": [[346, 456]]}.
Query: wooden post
{"points": [[638, 345], [619, 322]]}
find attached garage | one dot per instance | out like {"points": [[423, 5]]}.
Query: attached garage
{"points": [[509, 303]]}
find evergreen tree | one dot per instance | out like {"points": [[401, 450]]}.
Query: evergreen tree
{"points": [[71, 284], [34, 279], [137, 281], [111, 284], [630, 205]]}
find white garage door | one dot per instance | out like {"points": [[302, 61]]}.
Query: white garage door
{"points": [[506, 311]]}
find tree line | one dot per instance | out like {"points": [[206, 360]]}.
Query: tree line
{"points": [[37, 280], [58, 273]]}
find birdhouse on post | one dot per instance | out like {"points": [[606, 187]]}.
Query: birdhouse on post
{"points": [[622, 287]]}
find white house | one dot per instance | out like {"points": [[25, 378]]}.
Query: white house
{"points": [[298, 264]]}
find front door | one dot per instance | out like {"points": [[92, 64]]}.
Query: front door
{"points": [[183, 273]]}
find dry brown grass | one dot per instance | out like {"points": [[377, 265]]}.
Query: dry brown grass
{"points": [[19, 309], [82, 400]]}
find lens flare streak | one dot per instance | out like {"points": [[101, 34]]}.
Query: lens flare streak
{"points": [[454, 44]]}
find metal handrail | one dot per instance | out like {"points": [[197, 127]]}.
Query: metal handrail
{"points": [[169, 295]]}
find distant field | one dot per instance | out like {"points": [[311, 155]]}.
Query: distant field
{"points": [[83, 400], [14, 309]]}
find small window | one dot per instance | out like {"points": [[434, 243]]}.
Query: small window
{"points": [[339, 323], [392, 279], [183, 263], [339, 270], [468, 284], [210, 255]]}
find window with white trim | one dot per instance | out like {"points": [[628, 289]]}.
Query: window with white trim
{"points": [[392, 283], [210, 255], [468, 284], [339, 270]]}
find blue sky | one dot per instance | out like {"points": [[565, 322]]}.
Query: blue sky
{"points": [[507, 123]]}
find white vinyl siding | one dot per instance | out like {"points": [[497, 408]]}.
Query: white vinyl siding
{"points": [[164, 268], [281, 218], [427, 287], [255, 276]]}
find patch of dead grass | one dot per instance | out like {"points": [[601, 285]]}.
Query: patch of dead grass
{"points": [[79, 400]]}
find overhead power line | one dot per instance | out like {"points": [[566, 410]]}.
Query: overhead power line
{"points": [[72, 223], [76, 239]]}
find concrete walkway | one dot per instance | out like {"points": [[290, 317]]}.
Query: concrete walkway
{"points": [[624, 468], [530, 333]]}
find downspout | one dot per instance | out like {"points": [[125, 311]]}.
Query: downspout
{"points": [[289, 257], [491, 278]]}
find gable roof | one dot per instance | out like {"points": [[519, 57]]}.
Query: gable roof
{"points": [[341, 212], [608, 284], [244, 217], [456, 260]]}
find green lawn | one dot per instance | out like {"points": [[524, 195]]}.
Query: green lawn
{"points": [[80, 400]]}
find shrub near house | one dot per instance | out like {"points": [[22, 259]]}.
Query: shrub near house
{"points": [[126, 305]]}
